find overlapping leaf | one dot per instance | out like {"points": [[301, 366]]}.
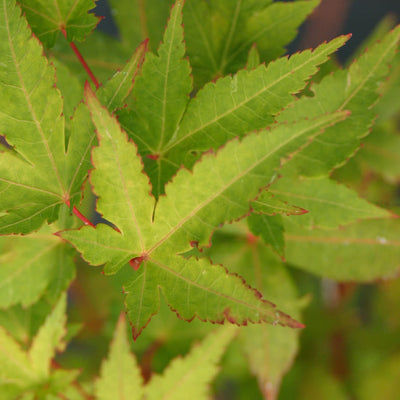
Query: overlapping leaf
{"points": [[31, 121], [270, 228], [231, 107], [270, 350], [362, 251], [48, 18], [161, 93], [192, 208], [25, 373], [381, 152], [220, 33], [329, 204], [30, 264], [43, 176], [120, 375], [193, 373], [138, 20], [354, 89]]}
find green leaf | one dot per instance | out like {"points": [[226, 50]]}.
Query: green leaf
{"points": [[23, 323], [113, 95], [159, 106], [48, 339], [16, 373], [93, 50], [47, 18], [193, 373], [389, 104], [30, 265], [355, 90], [381, 151], [233, 106], [270, 204], [328, 203], [270, 350], [43, 176], [28, 373], [138, 20], [361, 252], [120, 375], [220, 33], [31, 121], [190, 211], [270, 228], [71, 91], [116, 91]]}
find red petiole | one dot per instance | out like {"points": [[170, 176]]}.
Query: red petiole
{"points": [[80, 215], [82, 60]]}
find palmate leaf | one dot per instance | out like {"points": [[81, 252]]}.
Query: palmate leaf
{"points": [[233, 106], [48, 18], [43, 176], [356, 90], [220, 33], [361, 251], [189, 212]]}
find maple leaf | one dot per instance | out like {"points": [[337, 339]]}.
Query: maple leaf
{"points": [[354, 89], [154, 239], [220, 33], [48, 18], [45, 173], [120, 374], [171, 129]]}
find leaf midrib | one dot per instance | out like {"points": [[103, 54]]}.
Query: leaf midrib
{"points": [[27, 98], [239, 176], [309, 60]]}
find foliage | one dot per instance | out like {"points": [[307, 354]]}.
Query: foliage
{"points": [[217, 167]]}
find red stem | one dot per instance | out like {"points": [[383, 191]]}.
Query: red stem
{"points": [[82, 217], [82, 60], [79, 215]]}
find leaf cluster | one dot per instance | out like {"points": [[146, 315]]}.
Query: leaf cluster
{"points": [[216, 163]]}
